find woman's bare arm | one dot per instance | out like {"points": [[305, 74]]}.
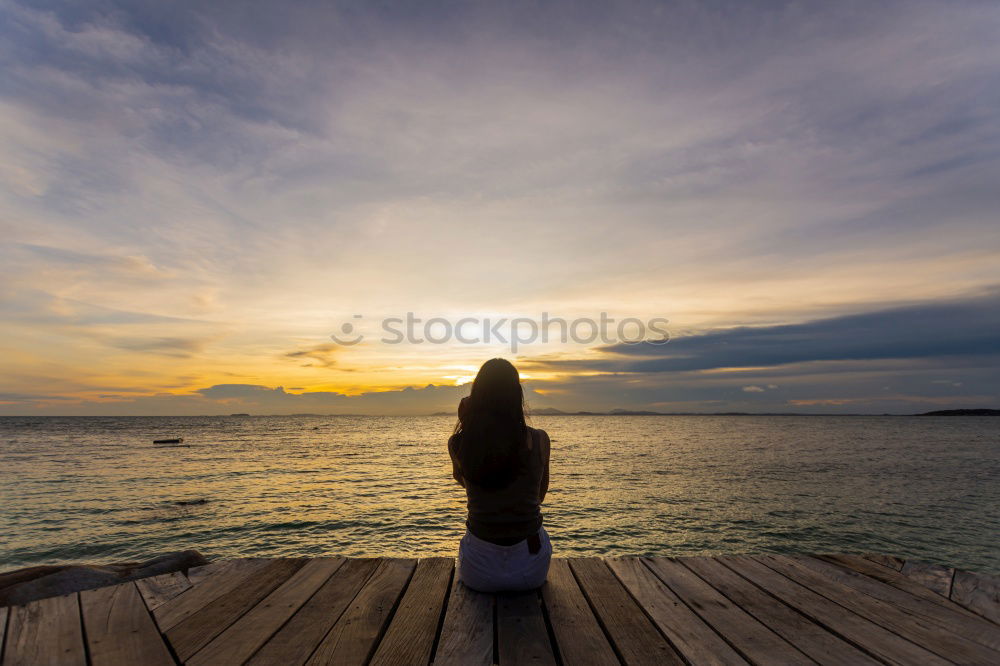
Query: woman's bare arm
{"points": [[456, 468], [546, 450]]}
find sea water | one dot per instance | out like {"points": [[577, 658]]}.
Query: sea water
{"points": [[96, 489]]}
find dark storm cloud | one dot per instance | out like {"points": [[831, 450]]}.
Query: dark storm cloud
{"points": [[932, 331]]}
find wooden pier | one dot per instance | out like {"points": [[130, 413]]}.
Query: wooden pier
{"points": [[829, 609]]}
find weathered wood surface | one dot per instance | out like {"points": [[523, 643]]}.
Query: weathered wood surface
{"points": [[196, 630], [240, 640], [951, 618], [960, 598], [4, 610], [978, 593], [196, 575], [577, 631], [690, 635], [890, 561], [741, 629], [410, 637], [811, 639], [932, 576], [119, 629], [633, 635], [158, 590], [203, 591], [522, 637], [356, 633], [296, 641], [916, 629], [861, 631], [47, 631], [826, 609], [467, 632]]}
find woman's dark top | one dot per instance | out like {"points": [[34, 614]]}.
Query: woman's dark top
{"points": [[513, 513]]}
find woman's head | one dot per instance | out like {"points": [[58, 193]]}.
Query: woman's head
{"points": [[492, 426], [497, 390]]}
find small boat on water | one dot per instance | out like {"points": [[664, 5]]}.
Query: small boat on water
{"points": [[175, 440]]}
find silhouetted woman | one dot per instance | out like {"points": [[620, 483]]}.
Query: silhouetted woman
{"points": [[503, 464]]}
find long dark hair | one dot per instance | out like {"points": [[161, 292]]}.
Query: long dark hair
{"points": [[491, 430]]}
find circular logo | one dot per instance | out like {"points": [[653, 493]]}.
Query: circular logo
{"points": [[346, 330]]}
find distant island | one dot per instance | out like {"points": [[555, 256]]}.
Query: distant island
{"points": [[552, 411], [549, 411]]}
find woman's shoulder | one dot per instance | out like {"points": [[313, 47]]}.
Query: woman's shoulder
{"points": [[538, 435], [540, 438]]}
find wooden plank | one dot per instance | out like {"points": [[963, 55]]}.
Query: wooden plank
{"points": [[294, 642], [353, 638], [196, 630], [894, 578], [521, 634], [873, 638], [753, 639], [47, 631], [932, 576], [173, 612], [978, 593], [467, 632], [890, 561], [974, 628], [813, 640], [635, 639], [119, 629], [157, 590], [915, 628], [690, 635], [410, 636], [579, 637], [197, 575], [3, 627], [240, 640]]}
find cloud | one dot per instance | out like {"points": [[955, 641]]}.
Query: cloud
{"points": [[168, 346], [14, 398], [241, 391], [32, 306], [261, 399], [934, 330], [323, 355], [131, 267]]}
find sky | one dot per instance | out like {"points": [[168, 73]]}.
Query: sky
{"points": [[194, 197]]}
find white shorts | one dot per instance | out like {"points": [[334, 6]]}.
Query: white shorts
{"points": [[488, 567]]}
